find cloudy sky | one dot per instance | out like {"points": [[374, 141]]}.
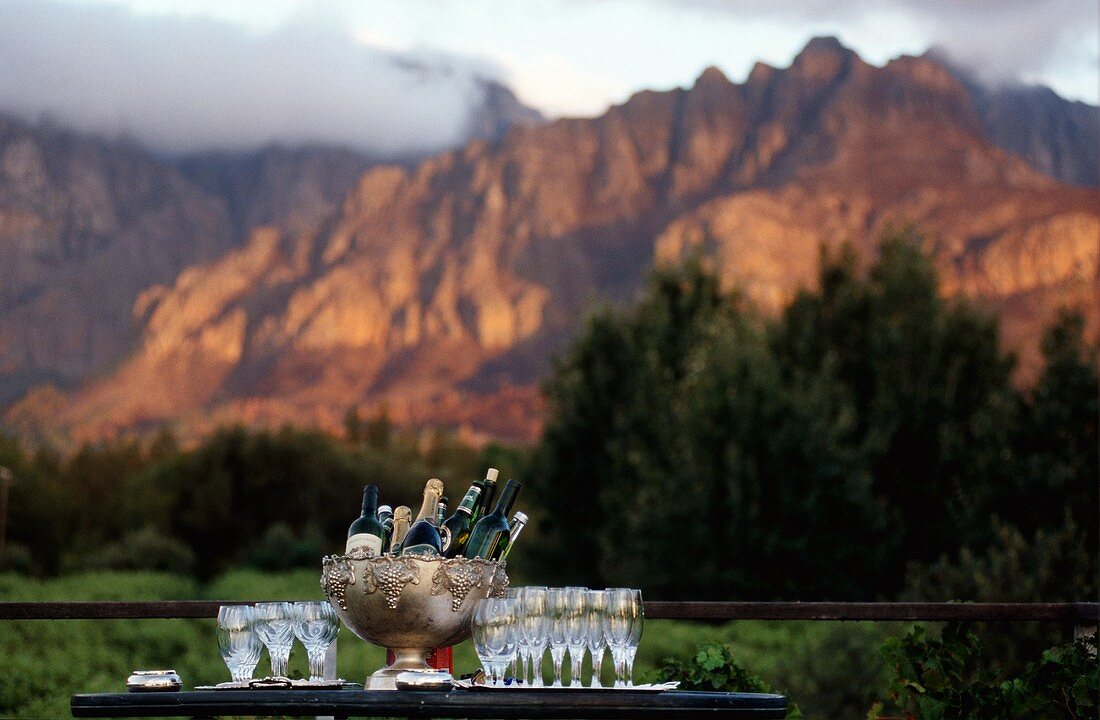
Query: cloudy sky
{"points": [[392, 76]]}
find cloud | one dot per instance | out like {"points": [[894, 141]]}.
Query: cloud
{"points": [[185, 84], [998, 40]]}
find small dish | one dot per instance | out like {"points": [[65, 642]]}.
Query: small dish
{"points": [[433, 680], [154, 681]]}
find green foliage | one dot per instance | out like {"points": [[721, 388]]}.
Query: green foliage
{"points": [[1062, 684], [144, 549], [280, 549], [945, 679], [714, 668], [271, 499], [928, 389], [871, 425], [673, 422], [1054, 565], [1056, 440], [937, 679]]}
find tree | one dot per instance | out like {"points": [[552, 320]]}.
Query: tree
{"points": [[929, 387], [1056, 439], [674, 459]]}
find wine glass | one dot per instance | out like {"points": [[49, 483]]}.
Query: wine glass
{"points": [[237, 639], [494, 636], [555, 611], [575, 622], [316, 625], [596, 606], [275, 626], [620, 623]]}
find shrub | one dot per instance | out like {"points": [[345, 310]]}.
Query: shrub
{"points": [[144, 549], [714, 668], [945, 679], [281, 548]]}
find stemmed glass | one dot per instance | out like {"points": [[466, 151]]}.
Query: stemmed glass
{"points": [[555, 612], [596, 606], [316, 625], [275, 626], [237, 639], [521, 643], [631, 648], [534, 625], [494, 635], [623, 626], [575, 623]]}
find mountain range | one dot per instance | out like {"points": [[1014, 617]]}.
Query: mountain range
{"points": [[292, 284]]}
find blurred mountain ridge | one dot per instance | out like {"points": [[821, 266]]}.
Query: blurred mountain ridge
{"points": [[442, 287]]}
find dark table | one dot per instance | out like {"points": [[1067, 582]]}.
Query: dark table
{"points": [[455, 704]]}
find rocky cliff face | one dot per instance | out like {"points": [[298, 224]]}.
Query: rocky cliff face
{"points": [[1057, 136], [87, 225], [443, 288]]}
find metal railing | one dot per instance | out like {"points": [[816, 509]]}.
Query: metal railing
{"points": [[1077, 614]]}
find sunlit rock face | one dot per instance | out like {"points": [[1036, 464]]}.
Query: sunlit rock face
{"points": [[442, 289]]}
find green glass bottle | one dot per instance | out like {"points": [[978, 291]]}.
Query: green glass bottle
{"points": [[455, 530], [366, 534], [519, 520], [492, 530], [488, 488], [385, 516]]}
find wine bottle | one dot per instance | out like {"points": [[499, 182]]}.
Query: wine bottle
{"points": [[455, 530], [365, 533], [519, 520], [402, 519], [441, 510], [488, 488], [423, 537], [385, 516], [492, 529]]}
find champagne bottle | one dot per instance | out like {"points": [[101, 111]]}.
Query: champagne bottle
{"points": [[402, 518], [519, 520], [385, 516], [423, 537], [365, 533], [492, 529], [455, 530], [488, 488]]}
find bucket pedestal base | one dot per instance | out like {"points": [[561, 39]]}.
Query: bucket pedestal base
{"points": [[406, 659]]}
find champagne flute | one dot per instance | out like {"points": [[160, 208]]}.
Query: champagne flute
{"points": [[555, 611], [631, 648], [275, 626], [619, 626], [575, 621], [534, 628], [237, 640], [596, 606], [521, 642], [316, 626]]}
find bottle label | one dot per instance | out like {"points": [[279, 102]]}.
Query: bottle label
{"points": [[366, 543], [445, 536]]}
